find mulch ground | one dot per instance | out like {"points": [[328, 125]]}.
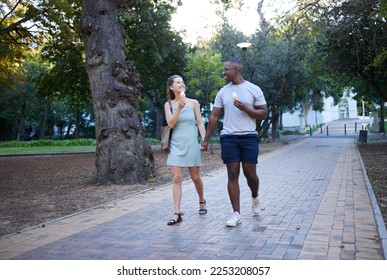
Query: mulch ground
{"points": [[37, 189], [374, 155]]}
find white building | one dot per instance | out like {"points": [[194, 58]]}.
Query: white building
{"points": [[346, 109]]}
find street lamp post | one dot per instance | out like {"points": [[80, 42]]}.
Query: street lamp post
{"points": [[244, 46]]}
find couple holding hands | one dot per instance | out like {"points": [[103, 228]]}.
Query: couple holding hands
{"points": [[241, 102]]}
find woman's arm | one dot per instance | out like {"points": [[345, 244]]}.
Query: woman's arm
{"points": [[198, 115], [172, 118]]}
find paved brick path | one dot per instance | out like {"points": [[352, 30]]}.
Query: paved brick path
{"points": [[315, 205]]}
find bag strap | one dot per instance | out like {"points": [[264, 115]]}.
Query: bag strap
{"points": [[170, 106]]}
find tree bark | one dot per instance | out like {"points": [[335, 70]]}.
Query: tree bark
{"points": [[123, 155], [77, 131], [160, 116], [21, 128], [381, 127], [43, 120], [264, 23]]}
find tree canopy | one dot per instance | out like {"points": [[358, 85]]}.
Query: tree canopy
{"points": [[355, 39]]}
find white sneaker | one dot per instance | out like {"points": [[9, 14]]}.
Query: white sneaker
{"points": [[234, 219], [255, 205]]}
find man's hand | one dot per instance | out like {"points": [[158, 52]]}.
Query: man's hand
{"points": [[204, 146], [240, 105]]}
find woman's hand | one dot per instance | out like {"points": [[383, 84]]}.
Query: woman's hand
{"points": [[182, 103]]}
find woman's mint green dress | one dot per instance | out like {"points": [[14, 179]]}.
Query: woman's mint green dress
{"points": [[185, 149]]}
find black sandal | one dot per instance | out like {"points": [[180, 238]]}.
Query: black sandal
{"points": [[178, 220], [202, 210]]}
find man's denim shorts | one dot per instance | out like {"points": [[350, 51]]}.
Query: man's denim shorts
{"points": [[239, 148]]}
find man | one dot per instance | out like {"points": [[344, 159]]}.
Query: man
{"points": [[242, 103]]}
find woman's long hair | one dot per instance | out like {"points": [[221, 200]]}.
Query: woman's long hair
{"points": [[170, 93]]}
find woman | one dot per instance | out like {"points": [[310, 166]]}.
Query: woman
{"points": [[185, 119]]}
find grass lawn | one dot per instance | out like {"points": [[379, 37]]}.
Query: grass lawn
{"points": [[44, 149]]}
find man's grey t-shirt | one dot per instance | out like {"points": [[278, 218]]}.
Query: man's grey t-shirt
{"points": [[237, 122]]}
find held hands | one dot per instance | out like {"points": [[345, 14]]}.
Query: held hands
{"points": [[204, 146]]}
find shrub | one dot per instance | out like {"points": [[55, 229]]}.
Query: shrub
{"points": [[48, 142]]}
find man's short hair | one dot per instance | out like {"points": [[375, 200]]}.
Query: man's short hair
{"points": [[235, 61]]}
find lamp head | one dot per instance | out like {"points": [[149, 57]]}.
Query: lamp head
{"points": [[244, 46]]}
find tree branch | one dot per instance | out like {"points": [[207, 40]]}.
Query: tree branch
{"points": [[14, 26]]}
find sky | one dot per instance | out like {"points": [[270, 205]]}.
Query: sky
{"points": [[199, 19]]}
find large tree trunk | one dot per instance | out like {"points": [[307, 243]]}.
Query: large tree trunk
{"points": [[123, 155]]}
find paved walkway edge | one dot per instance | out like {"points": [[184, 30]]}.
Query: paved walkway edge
{"points": [[375, 206]]}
